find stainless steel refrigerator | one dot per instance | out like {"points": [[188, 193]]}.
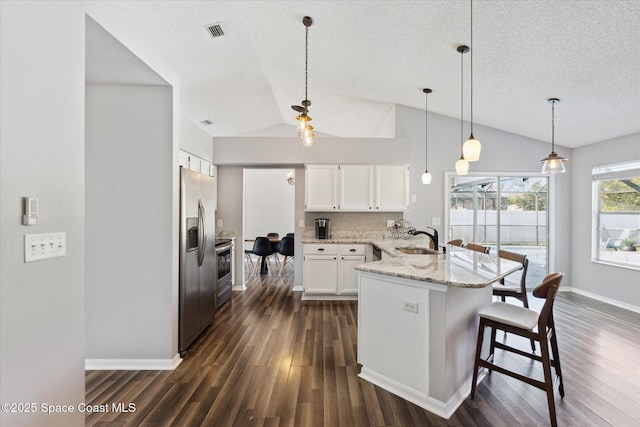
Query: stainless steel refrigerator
{"points": [[197, 255]]}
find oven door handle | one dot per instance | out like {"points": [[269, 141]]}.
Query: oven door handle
{"points": [[223, 248]]}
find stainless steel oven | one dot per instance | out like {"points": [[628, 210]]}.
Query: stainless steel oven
{"points": [[223, 268]]}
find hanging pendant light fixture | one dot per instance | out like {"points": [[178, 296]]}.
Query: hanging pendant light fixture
{"points": [[462, 165], [426, 176], [553, 164], [471, 148], [305, 130]]}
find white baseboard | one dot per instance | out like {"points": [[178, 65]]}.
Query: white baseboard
{"points": [[442, 409], [600, 298], [132, 364], [319, 297], [238, 288], [297, 288]]}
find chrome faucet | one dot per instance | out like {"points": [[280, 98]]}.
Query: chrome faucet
{"points": [[433, 237]]}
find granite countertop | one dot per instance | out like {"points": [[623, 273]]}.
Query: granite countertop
{"points": [[458, 267]]}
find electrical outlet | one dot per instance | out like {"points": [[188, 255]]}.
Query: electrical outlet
{"points": [[219, 223], [301, 223], [390, 223], [45, 245], [435, 221], [411, 306]]}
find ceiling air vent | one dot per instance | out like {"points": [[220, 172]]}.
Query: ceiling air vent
{"points": [[215, 30], [206, 122]]}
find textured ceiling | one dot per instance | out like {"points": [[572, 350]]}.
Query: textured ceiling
{"points": [[366, 56]]}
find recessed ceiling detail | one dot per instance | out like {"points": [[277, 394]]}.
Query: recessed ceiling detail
{"points": [[215, 30]]}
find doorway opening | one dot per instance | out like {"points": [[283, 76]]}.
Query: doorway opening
{"points": [[268, 208]]}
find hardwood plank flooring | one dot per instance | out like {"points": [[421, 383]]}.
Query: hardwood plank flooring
{"points": [[271, 359]]}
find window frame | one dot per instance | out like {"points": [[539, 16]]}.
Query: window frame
{"points": [[599, 174]]}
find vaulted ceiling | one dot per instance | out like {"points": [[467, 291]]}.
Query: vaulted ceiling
{"points": [[367, 56]]}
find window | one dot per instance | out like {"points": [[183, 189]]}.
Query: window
{"points": [[616, 214]]}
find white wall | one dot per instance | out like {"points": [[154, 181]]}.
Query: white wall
{"points": [[194, 140], [268, 202], [129, 163], [615, 283], [287, 151], [42, 155]]}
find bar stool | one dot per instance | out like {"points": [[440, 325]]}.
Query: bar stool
{"points": [[455, 242], [478, 248], [521, 321], [504, 289]]}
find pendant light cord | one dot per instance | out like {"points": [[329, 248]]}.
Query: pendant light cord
{"points": [[461, 100], [471, 70], [306, 65], [426, 130], [553, 126]]}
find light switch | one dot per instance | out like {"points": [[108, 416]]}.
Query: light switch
{"points": [[45, 245], [413, 198]]}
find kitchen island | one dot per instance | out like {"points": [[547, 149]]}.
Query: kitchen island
{"points": [[418, 322]]}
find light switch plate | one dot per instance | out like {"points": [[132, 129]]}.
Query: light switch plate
{"points": [[45, 245]]}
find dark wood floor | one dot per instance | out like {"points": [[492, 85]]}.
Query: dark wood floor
{"points": [[271, 359]]}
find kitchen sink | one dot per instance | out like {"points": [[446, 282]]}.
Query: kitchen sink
{"points": [[417, 251]]}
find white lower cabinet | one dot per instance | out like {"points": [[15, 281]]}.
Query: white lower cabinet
{"points": [[329, 269]]}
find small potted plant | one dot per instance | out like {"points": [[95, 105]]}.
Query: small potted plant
{"points": [[628, 245]]}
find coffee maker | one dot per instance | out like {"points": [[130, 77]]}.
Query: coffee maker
{"points": [[323, 228]]}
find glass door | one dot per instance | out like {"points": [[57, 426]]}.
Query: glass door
{"points": [[502, 212]]}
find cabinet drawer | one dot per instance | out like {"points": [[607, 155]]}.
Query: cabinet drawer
{"points": [[357, 249], [320, 249]]}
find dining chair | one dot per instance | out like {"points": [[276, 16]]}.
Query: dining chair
{"points": [[478, 248], [275, 246], [262, 248], [287, 251], [521, 321]]}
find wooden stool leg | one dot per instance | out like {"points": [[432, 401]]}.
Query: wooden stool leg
{"points": [[474, 379], [556, 360], [548, 379]]}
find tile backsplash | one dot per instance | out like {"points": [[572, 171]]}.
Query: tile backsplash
{"points": [[357, 222]]}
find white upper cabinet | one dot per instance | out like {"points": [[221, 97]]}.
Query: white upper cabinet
{"points": [[321, 187], [356, 187], [195, 163], [392, 187]]}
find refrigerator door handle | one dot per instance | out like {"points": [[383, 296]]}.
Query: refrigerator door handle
{"points": [[202, 230]]}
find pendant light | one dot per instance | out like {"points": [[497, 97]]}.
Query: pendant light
{"points": [[426, 176], [462, 165], [553, 164], [305, 130], [472, 146]]}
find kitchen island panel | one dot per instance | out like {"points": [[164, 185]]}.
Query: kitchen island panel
{"points": [[424, 357]]}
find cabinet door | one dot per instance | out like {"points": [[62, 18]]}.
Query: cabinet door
{"points": [[321, 187], [348, 279], [392, 187], [320, 274], [356, 187]]}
